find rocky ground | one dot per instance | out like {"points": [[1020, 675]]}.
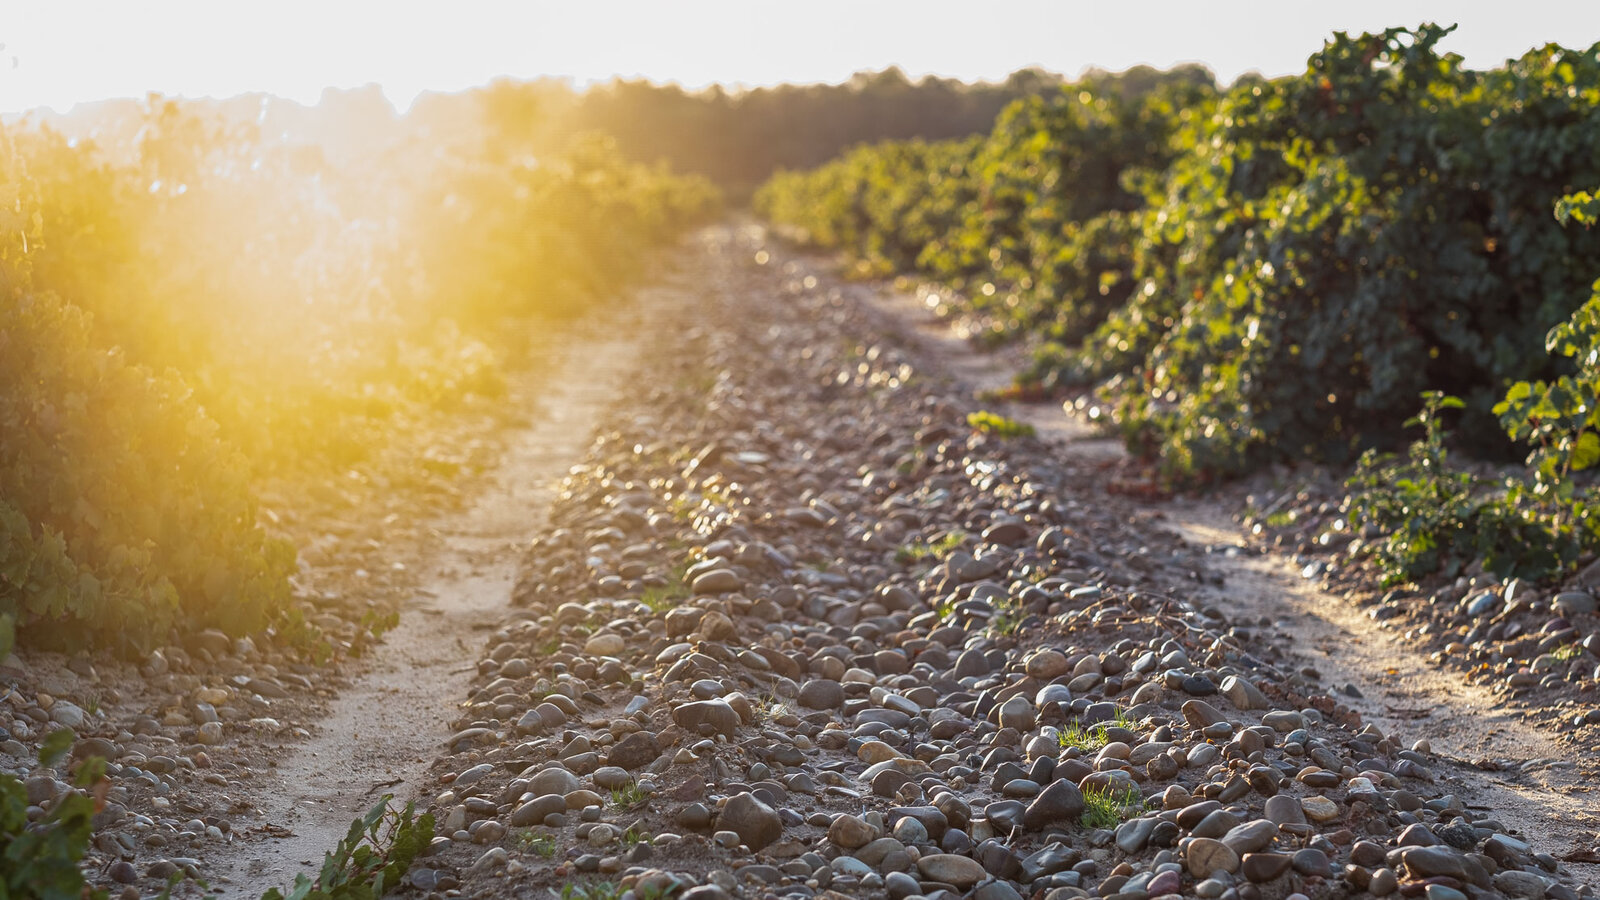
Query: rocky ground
{"points": [[1537, 648], [799, 629], [795, 628]]}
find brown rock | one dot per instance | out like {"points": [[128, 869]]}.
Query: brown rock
{"points": [[1208, 855]]}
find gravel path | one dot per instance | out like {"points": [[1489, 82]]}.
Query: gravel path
{"points": [[797, 629], [793, 628]]}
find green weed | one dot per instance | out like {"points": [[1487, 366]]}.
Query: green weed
{"points": [[1108, 808], [628, 796], [924, 550], [1093, 737], [1004, 427], [592, 890], [541, 845], [371, 858], [660, 598]]}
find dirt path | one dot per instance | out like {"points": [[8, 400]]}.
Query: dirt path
{"points": [[1493, 758], [387, 727]]}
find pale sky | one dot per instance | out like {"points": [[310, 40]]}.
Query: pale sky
{"points": [[60, 52]]}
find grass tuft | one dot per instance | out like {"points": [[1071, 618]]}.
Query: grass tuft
{"points": [[591, 890], [541, 845], [628, 796], [1108, 808], [1093, 737], [661, 598], [922, 550], [1003, 427]]}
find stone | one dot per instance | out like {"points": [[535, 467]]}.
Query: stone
{"points": [[851, 832], [605, 645], [707, 717], [471, 776], [69, 715], [1285, 810], [123, 872], [1134, 834], [611, 777], [756, 823], [1016, 713], [1251, 836], [1428, 862], [1167, 882], [1060, 802], [1319, 809], [637, 749], [1260, 867], [534, 811], [1519, 884], [996, 890], [1244, 695], [553, 780], [1207, 856], [1200, 714], [1311, 861], [1573, 603], [899, 885], [874, 853], [694, 815], [1047, 664], [716, 581], [821, 693], [957, 871]]}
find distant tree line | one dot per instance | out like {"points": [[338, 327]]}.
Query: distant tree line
{"points": [[739, 139]]}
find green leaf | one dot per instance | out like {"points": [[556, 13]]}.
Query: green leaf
{"points": [[57, 744], [1585, 451]]}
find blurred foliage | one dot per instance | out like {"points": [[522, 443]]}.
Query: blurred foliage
{"points": [[1271, 272], [39, 860], [190, 307]]}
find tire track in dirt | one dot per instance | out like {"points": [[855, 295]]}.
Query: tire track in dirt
{"points": [[386, 728], [1490, 756]]}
